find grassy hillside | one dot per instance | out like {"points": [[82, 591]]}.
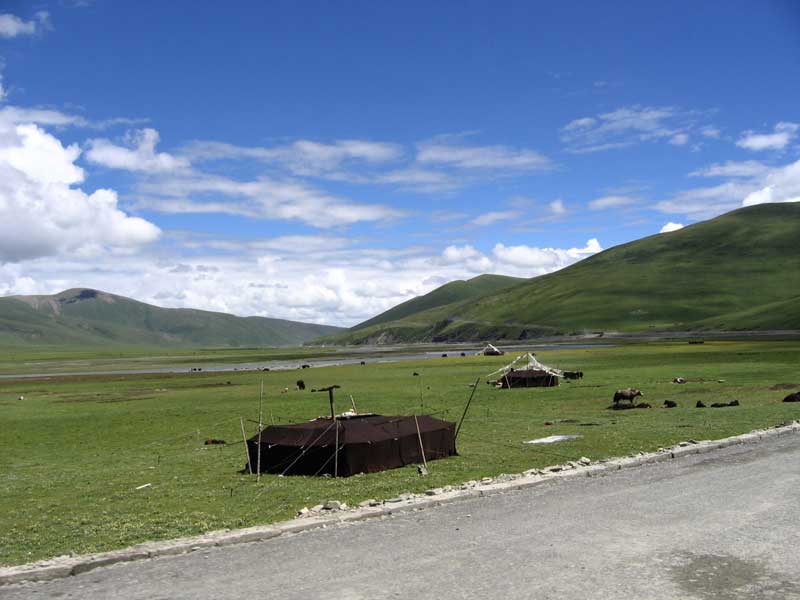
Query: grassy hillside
{"points": [[455, 291], [91, 318], [738, 271]]}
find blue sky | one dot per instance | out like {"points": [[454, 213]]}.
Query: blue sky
{"points": [[325, 161]]}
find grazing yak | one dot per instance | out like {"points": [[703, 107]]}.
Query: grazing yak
{"points": [[725, 404], [573, 374], [790, 398], [627, 394], [301, 385]]}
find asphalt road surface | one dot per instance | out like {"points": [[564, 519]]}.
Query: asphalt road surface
{"points": [[722, 525]]}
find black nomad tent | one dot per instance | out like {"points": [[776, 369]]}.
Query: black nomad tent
{"points": [[367, 443]]}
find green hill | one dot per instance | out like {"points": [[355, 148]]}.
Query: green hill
{"points": [[455, 291], [739, 271], [94, 318]]}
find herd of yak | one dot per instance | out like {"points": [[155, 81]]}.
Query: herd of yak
{"points": [[629, 394]]}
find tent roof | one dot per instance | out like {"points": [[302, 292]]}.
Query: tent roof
{"points": [[357, 429], [527, 362]]}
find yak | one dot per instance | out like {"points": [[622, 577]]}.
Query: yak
{"points": [[627, 394], [301, 385], [573, 374], [790, 398], [670, 404]]}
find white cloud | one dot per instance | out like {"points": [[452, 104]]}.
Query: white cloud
{"points": [[42, 213], [12, 26], [303, 157], [751, 183], [710, 132], [263, 198], [138, 155], [670, 227], [557, 207], [746, 168], [780, 185], [495, 216], [626, 127], [537, 261], [614, 201], [679, 139], [482, 157], [783, 134]]}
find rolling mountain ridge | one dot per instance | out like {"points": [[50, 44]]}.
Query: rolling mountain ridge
{"points": [[94, 318]]}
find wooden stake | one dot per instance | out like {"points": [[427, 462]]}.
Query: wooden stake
{"points": [[421, 447], [353, 402], [246, 451], [336, 451], [260, 426], [466, 408]]}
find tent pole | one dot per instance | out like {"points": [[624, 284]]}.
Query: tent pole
{"points": [[466, 408], [336, 441], [246, 451], [260, 425], [421, 447]]}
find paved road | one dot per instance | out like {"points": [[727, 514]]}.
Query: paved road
{"points": [[724, 525]]}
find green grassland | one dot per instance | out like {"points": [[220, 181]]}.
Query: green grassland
{"points": [[73, 452]]}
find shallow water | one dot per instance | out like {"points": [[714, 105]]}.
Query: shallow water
{"points": [[368, 355]]}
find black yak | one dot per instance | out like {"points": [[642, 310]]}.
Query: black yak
{"points": [[792, 397], [301, 385], [670, 404], [699, 404], [628, 394], [573, 374]]}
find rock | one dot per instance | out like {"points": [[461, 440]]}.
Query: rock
{"points": [[366, 503], [374, 503], [316, 508], [683, 444], [573, 464], [393, 500], [332, 505], [486, 480], [555, 469], [433, 492], [693, 442], [583, 461], [303, 512]]}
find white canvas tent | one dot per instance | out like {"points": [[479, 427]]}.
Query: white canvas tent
{"points": [[491, 350], [526, 362]]}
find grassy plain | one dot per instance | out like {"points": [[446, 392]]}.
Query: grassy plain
{"points": [[73, 452]]}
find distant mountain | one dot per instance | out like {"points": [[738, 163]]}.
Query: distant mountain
{"points": [[739, 271], [94, 318]]}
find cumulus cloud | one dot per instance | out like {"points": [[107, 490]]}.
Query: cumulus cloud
{"points": [[627, 126], [614, 201], [139, 154], [670, 227], [783, 134], [42, 213], [537, 261], [12, 26]]}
